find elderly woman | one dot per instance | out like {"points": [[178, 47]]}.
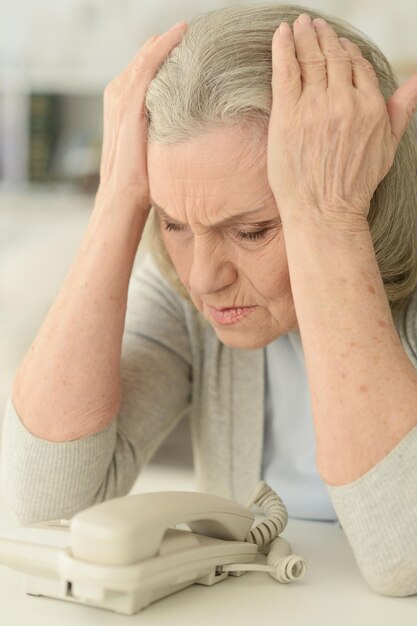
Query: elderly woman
{"points": [[277, 308]]}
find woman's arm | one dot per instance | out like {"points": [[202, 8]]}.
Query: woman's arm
{"points": [[68, 384], [363, 386], [42, 479], [323, 169], [364, 397]]}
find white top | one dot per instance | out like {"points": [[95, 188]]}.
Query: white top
{"points": [[288, 460]]}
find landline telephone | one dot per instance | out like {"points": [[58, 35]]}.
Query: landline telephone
{"points": [[125, 553]]}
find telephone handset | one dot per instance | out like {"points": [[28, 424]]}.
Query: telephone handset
{"points": [[108, 533], [125, 553]]}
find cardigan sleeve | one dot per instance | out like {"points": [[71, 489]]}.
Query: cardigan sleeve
{"points": [[41, 479], [378, 511]]}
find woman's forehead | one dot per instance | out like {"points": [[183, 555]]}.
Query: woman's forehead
{"points": [[197, 174], [221, 153], [209, 179]]}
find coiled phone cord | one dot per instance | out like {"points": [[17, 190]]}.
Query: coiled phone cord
{"points": [[282, 565]]}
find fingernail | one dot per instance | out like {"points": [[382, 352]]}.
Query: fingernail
{"points": [[304, 19], [284, 28], [319, 22]]}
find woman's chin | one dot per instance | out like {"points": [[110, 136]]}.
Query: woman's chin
{"points": [[242, 339]]}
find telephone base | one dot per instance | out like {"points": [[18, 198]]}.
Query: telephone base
{"points": [[125, 603]]}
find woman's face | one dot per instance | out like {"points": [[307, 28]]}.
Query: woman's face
{"points": [[240, 263]]}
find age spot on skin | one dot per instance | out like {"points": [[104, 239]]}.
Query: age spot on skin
{"points": [[371, 289], [363, 388]]}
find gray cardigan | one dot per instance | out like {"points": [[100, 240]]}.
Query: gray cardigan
{"points": [[174, 366]]}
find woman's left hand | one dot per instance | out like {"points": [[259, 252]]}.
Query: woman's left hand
{"points": [[331, 138]]}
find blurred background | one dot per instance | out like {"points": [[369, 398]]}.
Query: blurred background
{"points": [[55, 61]]}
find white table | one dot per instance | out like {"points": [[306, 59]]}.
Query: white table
{"points": [[332, 590]]}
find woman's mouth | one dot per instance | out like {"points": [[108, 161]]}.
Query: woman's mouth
{"points": [[230, 316]]}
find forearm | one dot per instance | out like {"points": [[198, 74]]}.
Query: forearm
{"points": [[362, 384], [68, 384]]}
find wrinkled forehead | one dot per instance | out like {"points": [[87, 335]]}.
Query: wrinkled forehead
{"points": [[224, 148], [220, 169]]}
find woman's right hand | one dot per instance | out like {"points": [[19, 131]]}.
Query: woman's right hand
{"points": [[123, 168]]}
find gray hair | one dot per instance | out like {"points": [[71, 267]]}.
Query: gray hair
{"points": [[220, 75]]}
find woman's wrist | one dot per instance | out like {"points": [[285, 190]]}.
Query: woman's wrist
{"points": [[121, 209]]}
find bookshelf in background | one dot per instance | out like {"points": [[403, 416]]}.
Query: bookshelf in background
{"points": [[44, 128], [64, 139]]}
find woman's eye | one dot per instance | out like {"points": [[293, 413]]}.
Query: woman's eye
{"points": [[170, 226], [248, 236], [256, 234]]}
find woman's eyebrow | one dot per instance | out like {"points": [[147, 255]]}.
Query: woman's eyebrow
{"points": [[225, 222]]}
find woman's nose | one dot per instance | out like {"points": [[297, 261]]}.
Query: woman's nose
{"points": [[211, 269]]}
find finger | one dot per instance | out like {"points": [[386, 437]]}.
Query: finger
{"points": [[159, 45], [401, 107], [171, 35], [309, 55], [147, 61], [338, 63], [129, 67], [364, 76], [150, 41], [129, 71], [142, 49], [286, 77]]}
